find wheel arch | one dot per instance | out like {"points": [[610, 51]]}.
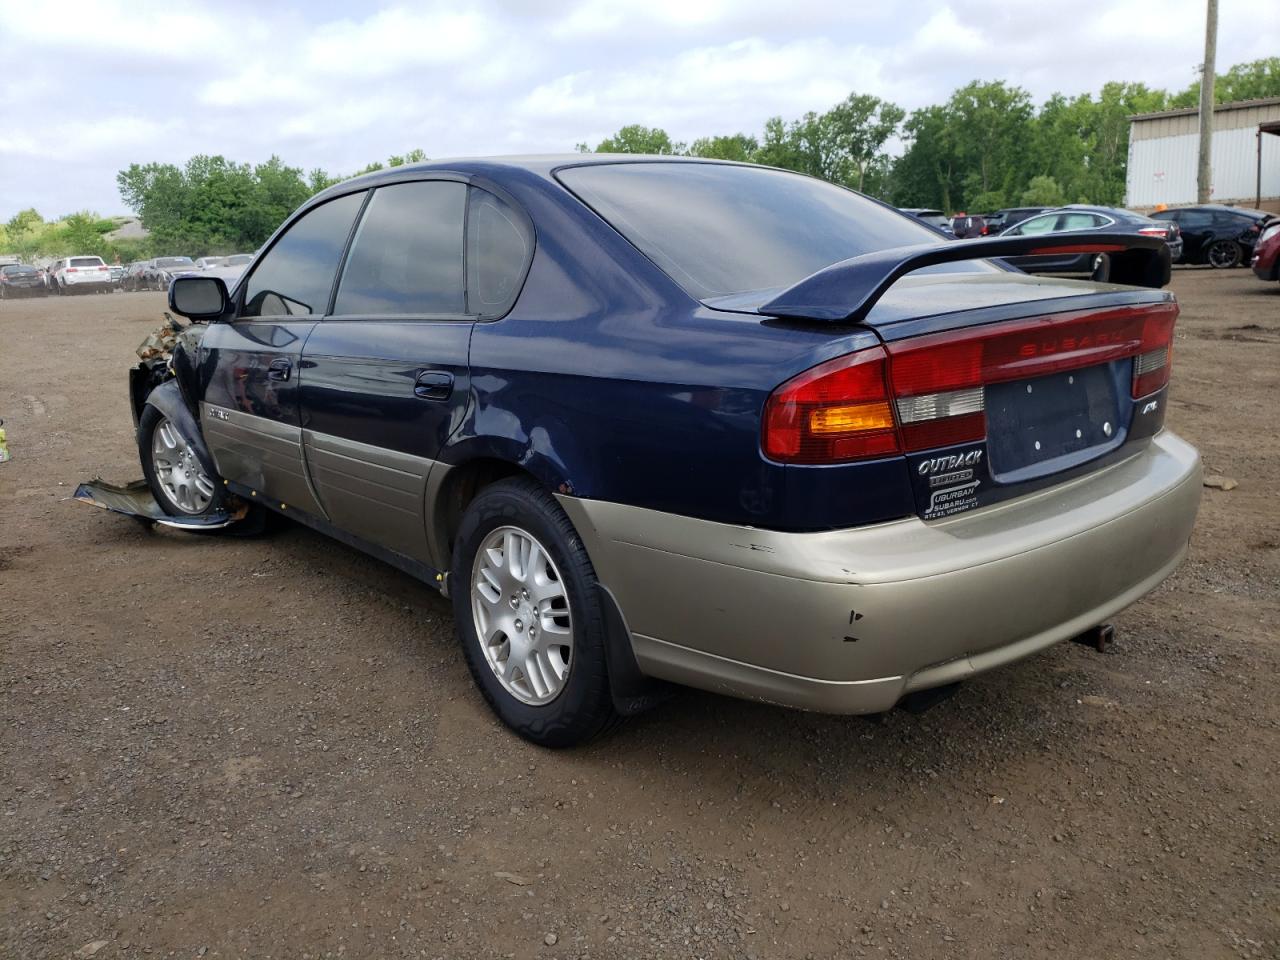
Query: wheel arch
{"points": [[168, 399]]}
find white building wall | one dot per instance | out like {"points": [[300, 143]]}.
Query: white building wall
{"points": [[1163, 169]]}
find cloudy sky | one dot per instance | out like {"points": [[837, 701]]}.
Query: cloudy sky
{"points": [[86, 90]]}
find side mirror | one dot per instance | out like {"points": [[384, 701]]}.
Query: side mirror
{"points": [[199, 298]]}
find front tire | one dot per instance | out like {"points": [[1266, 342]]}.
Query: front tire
{"points": [[527, 610], [1223, 254], [177, 479]]}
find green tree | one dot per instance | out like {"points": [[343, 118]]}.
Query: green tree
{"points": [[736, 146], [781, 146], [22, 223], [636, 138], [857, 129], [928, 174], [992, 124], [1043, 192], [1243, 81]]}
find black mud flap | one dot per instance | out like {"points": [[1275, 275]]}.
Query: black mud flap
{"points": [[135, 500]]}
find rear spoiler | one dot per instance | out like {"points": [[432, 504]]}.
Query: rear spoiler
{"points": [[846, 291]]}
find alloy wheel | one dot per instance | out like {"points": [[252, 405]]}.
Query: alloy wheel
{"points": [[1224, 253], [178, 471], [522, 617]]}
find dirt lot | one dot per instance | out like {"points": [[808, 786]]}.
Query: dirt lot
{"points": [[271, 747]]}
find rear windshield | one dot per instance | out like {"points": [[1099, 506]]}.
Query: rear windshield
{"points": [[86, 262], [174, 262], [718, 229]]}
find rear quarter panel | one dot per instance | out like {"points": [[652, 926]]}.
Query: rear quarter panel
{"points": [[607, 381]]}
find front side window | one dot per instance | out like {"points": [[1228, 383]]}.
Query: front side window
{"points": [[296, 275], [1035, 225], [407, 258]]}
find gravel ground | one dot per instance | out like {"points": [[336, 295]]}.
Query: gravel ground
{"points": [[271, 747]]}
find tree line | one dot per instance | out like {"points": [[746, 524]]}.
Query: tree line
{"points": [[988, 146]]}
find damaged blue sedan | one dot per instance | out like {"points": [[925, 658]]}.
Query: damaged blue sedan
{"points": [[655, 421]]}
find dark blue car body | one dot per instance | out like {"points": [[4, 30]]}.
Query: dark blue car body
{"points": [[610, 384]]}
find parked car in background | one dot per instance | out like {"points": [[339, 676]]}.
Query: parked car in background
{"points": [[1215, 234], [80, 275], [240, 260], [21, 280], [934, 218], [204, 263], [117, 273], [1083, 219], [967, 226], [1266, 252], [132, 279], [162, 270], [1002, 220], [637, 429]]}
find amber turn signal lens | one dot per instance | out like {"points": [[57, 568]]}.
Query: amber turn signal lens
{"points": [[851, 418]]}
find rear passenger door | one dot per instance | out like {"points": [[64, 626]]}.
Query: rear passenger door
{"points": [[250, 414], [385, 380]]}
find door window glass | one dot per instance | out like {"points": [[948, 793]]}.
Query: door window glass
{"points": [[296, 275], [407, 255], [498, 250], [1034, 225], [1076, 221]]}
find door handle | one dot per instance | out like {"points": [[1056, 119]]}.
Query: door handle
{"points": [[279, 369], [433, 385]]}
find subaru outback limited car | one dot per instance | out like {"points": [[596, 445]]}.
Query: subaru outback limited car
{"points": [[655, 420]]}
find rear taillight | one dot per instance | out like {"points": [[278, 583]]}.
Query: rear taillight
{"points": [[835, 412], [1154, 231], [928, 392], [1151, 366]]}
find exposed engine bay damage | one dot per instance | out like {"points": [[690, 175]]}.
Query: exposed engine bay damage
{"points": [[135, 500]]}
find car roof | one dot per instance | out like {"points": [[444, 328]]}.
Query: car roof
{"points": [[543, 165]]}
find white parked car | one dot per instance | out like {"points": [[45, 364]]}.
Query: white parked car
{"points": [[79, 275], [205, 263]]}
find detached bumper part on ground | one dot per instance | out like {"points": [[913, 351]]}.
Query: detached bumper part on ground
{"points": [[849, 621], [135, 499]]}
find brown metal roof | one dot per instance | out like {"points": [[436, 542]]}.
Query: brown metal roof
{"points": [[1220, 108]]}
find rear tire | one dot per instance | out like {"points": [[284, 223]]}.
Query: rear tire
{"points": [[518, 564], [1223, 254]]}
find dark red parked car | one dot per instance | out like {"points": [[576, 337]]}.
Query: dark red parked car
{"points": [[1266, 252]]}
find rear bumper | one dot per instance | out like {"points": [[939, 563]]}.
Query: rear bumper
{"points": [[848, 621]]}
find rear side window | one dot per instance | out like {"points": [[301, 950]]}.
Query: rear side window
{"points": [[499, 245], [296, 275], [407, 255]]}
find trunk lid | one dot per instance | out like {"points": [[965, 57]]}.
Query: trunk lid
{"points": [[1057, 378], [1002, 384]]}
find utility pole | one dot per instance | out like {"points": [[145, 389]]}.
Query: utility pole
{"points": [[1204, 173]]}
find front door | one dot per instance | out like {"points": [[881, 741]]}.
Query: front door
{"points": [[251, 367], [385, 377]]}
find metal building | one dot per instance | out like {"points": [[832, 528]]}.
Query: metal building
{"points": [[1163, 148]]}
